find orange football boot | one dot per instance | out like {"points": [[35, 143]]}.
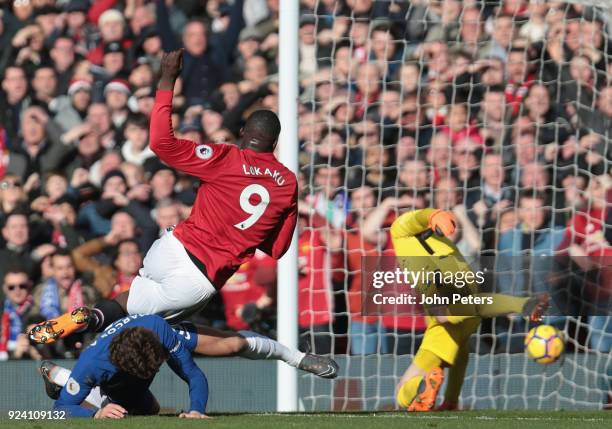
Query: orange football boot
{"points": [[426, 400], [67, 324]]}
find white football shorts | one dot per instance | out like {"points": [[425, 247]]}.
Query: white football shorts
{"points": [[169, 283]]}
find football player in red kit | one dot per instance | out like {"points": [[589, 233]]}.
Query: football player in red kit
{"points": [[247, 200]]}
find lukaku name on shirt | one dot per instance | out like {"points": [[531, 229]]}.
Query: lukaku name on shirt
{"points": [[251, 170]]}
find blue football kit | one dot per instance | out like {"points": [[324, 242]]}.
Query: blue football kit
{"points": [[95, 369]]}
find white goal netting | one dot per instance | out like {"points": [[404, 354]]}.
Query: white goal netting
{"points": [[498, 110]]}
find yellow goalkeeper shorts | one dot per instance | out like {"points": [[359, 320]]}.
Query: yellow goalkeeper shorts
{"points": [[445, 339]]}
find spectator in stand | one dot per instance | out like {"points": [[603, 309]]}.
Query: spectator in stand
{"points": [[167, 213], [64, 57], [550, 124], [459, 126], [520, 77], [163, 181], [492, 117], [17, 250], [116, 94], [41, 149], [17, 288], [467, 153], [100, 120], [414, 181], [491, 72], [112, 30], [466, 237], [503, 34], [328, 198], [205, 63], [471, 29], [485, 203], [526, 151], [136, 148], [13, 101], [116, 278], [44, 85], [520, 265], [63, 292], [413, 120], [439, 155], [12, 196], [71, 110]]}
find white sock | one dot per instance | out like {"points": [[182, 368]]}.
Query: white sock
{"points": [[260, 347], [60, 376]]}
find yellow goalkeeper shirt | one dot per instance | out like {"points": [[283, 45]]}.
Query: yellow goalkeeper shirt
{"points": [[430, 255]]}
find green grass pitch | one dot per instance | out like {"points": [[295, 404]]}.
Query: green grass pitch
{"points": [[386, 420]]}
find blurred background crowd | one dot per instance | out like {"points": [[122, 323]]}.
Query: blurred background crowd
{"points": [[500, 111]]}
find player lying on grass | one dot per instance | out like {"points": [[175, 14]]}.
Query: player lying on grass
{"points": [[114, 373], [247, 200], [420, 239]]}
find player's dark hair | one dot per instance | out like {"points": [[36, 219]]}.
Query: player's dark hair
{"points": [[263, 125], [137, 352]]}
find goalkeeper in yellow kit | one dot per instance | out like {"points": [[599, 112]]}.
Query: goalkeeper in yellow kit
{"points": [[420, 239]]}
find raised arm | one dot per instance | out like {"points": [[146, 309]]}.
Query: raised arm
{"points": [[411, 223], [198, 160], [442, 222]]}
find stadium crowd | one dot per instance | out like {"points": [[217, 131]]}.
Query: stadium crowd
{"points": [[500, 111]]}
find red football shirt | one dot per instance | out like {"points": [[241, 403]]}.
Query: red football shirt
{"points": [[246, 201]]}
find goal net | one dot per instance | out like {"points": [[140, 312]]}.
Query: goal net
{"points": [[500, 111]]}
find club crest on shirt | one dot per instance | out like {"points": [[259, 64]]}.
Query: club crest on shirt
{"points": [[203, 151], [72, 386]]}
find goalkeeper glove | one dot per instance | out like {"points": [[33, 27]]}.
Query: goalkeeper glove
{"points": [[443, 223]]}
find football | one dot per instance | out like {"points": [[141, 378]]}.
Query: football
{"points": [[544, 344]]}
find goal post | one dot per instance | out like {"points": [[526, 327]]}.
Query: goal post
{"points": [[287, 306]]}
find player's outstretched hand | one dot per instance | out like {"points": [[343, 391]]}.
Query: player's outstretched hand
{"points": [[111, 411], [443, 223], [171, 65], [193, 415]]}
